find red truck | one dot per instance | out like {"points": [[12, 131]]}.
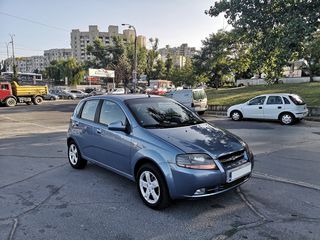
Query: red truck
{"points": [[13, 93]]}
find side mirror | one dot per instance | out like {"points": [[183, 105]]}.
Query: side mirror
{"points": [[117, 126]]}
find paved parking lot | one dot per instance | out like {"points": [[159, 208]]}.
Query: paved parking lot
{"points": [[42, 197]]}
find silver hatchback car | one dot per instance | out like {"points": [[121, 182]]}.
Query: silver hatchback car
{"points": [[168, 150]]}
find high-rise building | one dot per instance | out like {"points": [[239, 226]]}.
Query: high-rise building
{"points": [[179, 54], [80, 40], [57, 54], [31, 64]]}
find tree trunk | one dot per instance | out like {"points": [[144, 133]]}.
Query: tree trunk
{"points": [[311, 76]]}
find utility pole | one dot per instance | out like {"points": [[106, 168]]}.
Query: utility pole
{"points": [[8, 62], [15, 75]]}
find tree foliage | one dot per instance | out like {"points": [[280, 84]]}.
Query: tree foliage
{"points": [[276, 30], [70, 68]]}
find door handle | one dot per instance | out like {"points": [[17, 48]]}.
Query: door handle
{"points": [[260, 107], [98, 130], [279, 107]]}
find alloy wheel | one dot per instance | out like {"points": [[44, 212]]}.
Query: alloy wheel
{"points": [[73, 154], [149, 187]]}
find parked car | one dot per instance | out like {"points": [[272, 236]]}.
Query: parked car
{"points": [[50, 96], [158, 91], [96, 92], [79, 93], [168, 150], [284, 107], [196, 99], [117, 91], [64, 94]]}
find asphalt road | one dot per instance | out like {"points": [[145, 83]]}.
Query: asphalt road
{"points": [[42, 197]]}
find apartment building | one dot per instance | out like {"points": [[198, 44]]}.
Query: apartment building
{"points": [[31, 64], [178, 54], [57, 54], [80, 40]]}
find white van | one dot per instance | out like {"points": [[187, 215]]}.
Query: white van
{"points": [[196, 99]]}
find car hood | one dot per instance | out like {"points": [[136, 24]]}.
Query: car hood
{"points": [[201, 138]]}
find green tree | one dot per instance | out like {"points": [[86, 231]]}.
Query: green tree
{"points": [[70, 68], [276, 30], [185, 75], [151, 58], [159, 71], [215, 58], [311, 54], [102, 55], [168, 66]]}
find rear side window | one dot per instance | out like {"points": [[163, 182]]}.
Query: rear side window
{"points": [[286, 101], [78, 109], [274, 100], [111, 112], [89, 110], [296, 100]]}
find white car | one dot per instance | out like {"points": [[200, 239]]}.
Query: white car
{"points": [[79, 93], [117, 91], [279, 106]]}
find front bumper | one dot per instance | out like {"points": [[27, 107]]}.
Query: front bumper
{"points": [[187, 181]]}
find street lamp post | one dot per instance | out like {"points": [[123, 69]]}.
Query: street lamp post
{"points": [[134, 72]]}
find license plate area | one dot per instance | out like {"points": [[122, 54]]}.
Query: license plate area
{"points": [[238, 172]]}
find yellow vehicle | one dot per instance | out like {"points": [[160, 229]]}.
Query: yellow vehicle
{"points": [[11, 94]]}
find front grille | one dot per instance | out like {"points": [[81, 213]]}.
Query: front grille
{"points": [[226, 186], [233, 160]]}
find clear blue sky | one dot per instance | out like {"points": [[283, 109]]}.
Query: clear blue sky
{"points": [[173, 21]]}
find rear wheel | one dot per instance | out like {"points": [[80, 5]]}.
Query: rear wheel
{"points": [[69, 97], [152, 187], [201, 113], [10, 102], [74, 156], [52, 98], [287, 118], [37, 100], [236, 115]]}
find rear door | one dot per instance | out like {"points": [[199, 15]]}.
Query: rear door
{"points": [[254, 108], [273, 107], [85, 124]]}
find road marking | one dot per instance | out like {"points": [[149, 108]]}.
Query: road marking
{"points": [[285, 180]]}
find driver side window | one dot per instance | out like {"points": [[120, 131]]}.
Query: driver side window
{"points": [[257, 101], [111, 112]]}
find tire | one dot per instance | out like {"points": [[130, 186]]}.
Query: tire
{"points": [[52, 98], [152, 187], [11, 102], [74, 156], [37, 100], [28, 103], [69, 97], [201, 113], [236, 115], [287, 118]]}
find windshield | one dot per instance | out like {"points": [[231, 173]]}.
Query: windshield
{"points": [[161, 113], [199, 95], [297, 100]]}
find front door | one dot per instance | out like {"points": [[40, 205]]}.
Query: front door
{"points": [[116, 145], [254, 108]]}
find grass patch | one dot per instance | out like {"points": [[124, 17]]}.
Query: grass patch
{"points": [[310, 92]]}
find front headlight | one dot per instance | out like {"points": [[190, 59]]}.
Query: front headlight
{"points": [[195, 161]]}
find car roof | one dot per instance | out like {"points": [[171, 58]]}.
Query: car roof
{"points": [[124, 97], [278, 94]]}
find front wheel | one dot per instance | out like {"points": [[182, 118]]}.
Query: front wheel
{"points": [[74, 156], [152, 187], [10, 102], [287, 118], [236, 115]]}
